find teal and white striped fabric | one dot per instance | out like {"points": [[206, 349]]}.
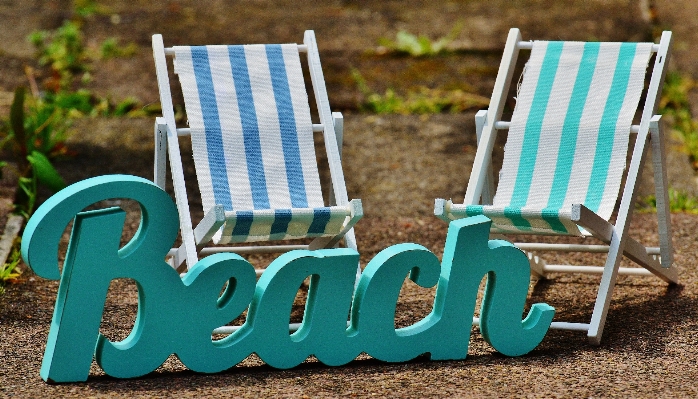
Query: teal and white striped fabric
{"points": [[568, 137], [252, 141]]}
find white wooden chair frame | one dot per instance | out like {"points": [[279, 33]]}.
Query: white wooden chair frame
{"points": [[657, 261], [166, 143]]}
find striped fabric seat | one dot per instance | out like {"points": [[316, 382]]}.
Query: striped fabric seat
{"points": [[252, 142], [568, 136]]}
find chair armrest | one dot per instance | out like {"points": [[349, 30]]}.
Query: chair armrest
{"points": [[160, 164], [209, 225], [441, 208], [338, 121], [355, 211], [480, 121]]}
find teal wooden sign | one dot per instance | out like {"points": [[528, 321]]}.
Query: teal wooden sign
{"points": [[176, 315]]}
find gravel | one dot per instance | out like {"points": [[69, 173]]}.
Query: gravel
{"points": [[648, 350]]}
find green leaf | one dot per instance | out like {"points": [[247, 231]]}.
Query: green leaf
{"points": [[44, 171]]}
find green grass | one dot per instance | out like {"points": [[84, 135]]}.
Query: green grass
{"points": [[421, 101], [675, 106], [10, 272], [679, 201], [406, 43]]}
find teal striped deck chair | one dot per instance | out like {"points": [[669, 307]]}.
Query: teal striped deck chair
{"points": [[565, 158], [252, 140]]}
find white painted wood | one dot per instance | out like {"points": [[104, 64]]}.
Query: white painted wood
{"points": [[657, 80], [634, 271], [440, 209], [483, 156], [252, 249], [661, 186], [160, 167], [559, 325], [209, 225], [302, 48], [185, 131], [338, 120], [226, 330], [504, 125], [591, 248], [529, 45], [331, 143], [537, 265], [635, 251], [181, 200], [177, 256], [619, 238], [349, 237], [593, 223], [355, 213], [618, 243], [323, 107], [556, 325], [535, 246], [331, 125], [488, 189]]}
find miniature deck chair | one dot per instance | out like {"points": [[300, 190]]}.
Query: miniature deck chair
{"points": [[565, 156], [252, 141]]}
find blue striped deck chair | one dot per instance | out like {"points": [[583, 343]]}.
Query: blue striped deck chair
{"points": [[253, 147], [565, 158]]}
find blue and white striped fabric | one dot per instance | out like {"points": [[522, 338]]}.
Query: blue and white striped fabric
{"points": [[568, 137], [252, 141]]}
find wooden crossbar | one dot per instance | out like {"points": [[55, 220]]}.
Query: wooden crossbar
{"points": [[527, 45], [185, 131], [502, 125], [302, 48]]}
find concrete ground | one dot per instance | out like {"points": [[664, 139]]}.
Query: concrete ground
{"points": [[397, 165]]}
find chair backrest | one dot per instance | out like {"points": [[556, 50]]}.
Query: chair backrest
{"points": [[251, 130], [568, 137]]}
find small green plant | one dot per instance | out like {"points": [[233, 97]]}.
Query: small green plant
{"points": [[675, 104], [111, 48], [33, 137], [10, 272], [421, 101], [86, 8], [41, 127], [679, 201], [63, 50], [419, 46]]}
